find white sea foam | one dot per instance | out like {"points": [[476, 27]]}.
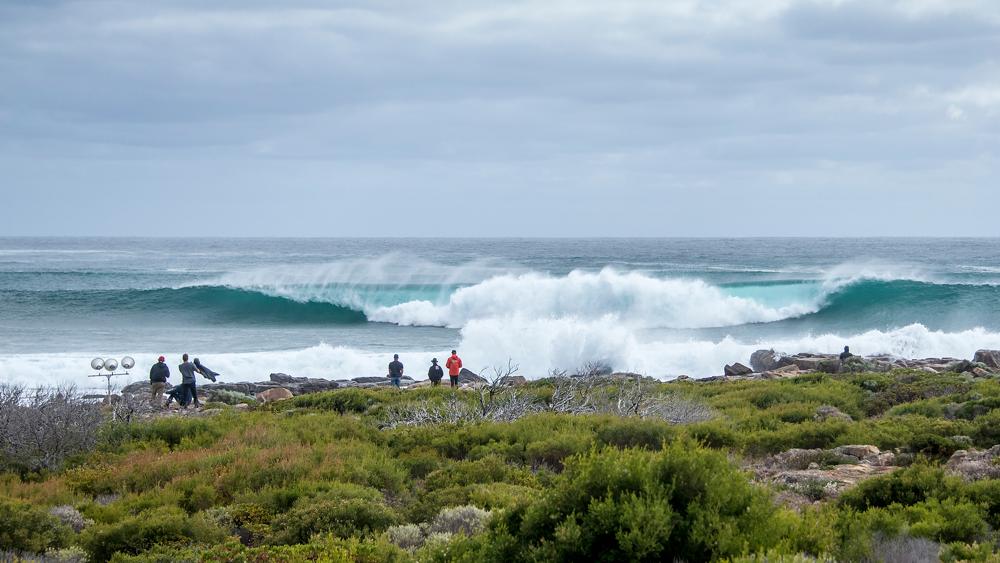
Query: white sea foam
{"points": [[632, 298], [538, 346]]}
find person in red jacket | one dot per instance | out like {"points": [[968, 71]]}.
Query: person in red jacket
{"points": [[454, 365]]}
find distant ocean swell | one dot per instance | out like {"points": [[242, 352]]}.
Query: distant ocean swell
{"points": [[635, 299]]}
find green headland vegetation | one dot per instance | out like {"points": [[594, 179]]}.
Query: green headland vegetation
{"points": [[564, 469]]}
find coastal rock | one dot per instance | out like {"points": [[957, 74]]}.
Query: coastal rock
{"points": [[991, 358], [974, 465], [833, 471], [980, 372], [960, 366], [469, 376], [370, 379], [791, 370], [513, 380], [140, 388], [767, 360], [806, 362], [834, 481], [737, 369], [859, 452], [829, 366]]}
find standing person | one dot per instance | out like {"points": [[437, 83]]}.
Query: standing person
{"points": [[454, 365], [395, 370], [188, 382], [158, 375], [435, 373]]}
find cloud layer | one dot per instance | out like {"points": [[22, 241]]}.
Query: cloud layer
{"points": [[692, 117]]}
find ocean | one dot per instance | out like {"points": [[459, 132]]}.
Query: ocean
{"points": [[339, 308]]}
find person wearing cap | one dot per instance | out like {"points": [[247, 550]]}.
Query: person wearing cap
{"points": [[435, 373], [395, 370], [158, 375]]}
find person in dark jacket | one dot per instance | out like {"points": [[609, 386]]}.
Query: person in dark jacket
{"points": [[435, 373], [202, 369], [846, 353], [158, 375], [396, 370], [188, 381]]}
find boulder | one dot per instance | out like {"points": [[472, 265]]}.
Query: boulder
{"points": [[513, 380], [974, 465], [767, 360], [861, 452], [737, 369], [809, 363], [469, 376], [989, 357], [241, 387], [829, 366], [801, 470], [275, 394], [371, 379], [980, 372], [683, 378], [960, 366]]}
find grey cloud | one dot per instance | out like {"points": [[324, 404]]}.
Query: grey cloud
{"points": [[545, 106]]}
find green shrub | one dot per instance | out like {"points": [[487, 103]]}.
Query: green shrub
{"points": [[349, 400], [30, 529], [906, 487], [946, 520], [490, 469], [343, 518], [135, 534], [632, 433], [684, 502]]}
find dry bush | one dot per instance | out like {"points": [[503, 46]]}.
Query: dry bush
{"points": [[589, 391], [466, 520], [406, 536], [904, 549], [69, 516], [41, 428]]}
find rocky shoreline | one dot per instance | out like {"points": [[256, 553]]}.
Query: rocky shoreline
{"points": [[764, 364], [299, 385], [768, 364]]}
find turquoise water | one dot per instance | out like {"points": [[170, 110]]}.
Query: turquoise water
{"points": [[337, 306]]}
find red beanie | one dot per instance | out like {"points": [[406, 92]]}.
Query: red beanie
{"points": [[162, 359]]}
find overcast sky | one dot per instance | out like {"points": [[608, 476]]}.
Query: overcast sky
{"points": [[472, 118]]}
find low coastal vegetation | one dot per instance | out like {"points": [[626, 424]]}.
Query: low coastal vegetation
{"points": [[845, 467]]}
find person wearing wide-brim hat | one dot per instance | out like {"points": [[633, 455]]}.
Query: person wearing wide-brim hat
{"points": [[435, 373]]}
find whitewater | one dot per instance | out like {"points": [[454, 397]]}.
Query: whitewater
{"points": [[339, 308]]}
